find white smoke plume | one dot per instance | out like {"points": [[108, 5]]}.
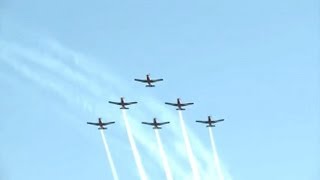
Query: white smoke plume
{"points": [[134, 148], [113, 169], [163, 156], [192, 160], [215, 155]]}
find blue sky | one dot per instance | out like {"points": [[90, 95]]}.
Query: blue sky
{"points": [[256, 64]]}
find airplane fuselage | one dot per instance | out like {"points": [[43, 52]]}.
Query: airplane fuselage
{"points": [[209, 121], [149, 84], [179, 104], [155, 124], [100, 124], [123, 106], [148, 80]]}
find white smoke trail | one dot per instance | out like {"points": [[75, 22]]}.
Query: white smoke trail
{"points": [[215, 155], [135, 151], [113, 169], [191, 157], [163, 157]]}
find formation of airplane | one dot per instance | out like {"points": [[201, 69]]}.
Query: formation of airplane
{"points": [[210, 122], [122, 103], [100, 124], [148, 80], [155, 124], [179, 105]]}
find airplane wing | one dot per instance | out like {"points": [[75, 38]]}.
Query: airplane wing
{"points": [[129, 103], [172, 104], [205, 122], [152, 124], [96, 124], [107, 123], [155, 80], [141, 80], [218, 120], [162, 123], [117, 103], [186, 104]]}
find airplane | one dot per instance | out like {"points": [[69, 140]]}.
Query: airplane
{"points": [[122, 103], [149, 81], [179, 104], [210, 122], [100, 124], [155, 124]]}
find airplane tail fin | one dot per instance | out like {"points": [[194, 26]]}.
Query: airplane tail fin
{"points": [[150, 85], [124, 108], [157, 128], [102, 128], [182, 109], [211, 126]]}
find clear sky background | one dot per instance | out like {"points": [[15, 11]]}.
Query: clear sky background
{"points": [[254, 63]]}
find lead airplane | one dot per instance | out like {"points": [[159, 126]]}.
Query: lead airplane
{"points": [[179, 105], [148, 80], [155, 124], [122, 103], [210, 122], [100, 124]]}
